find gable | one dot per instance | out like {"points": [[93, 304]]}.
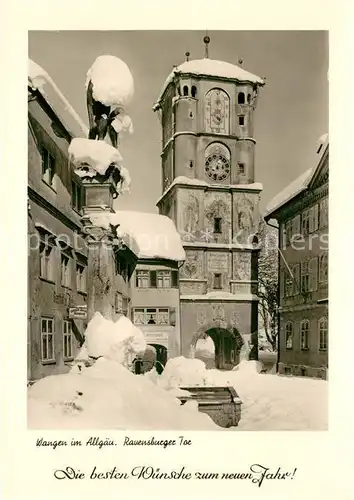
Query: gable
{"points": [[321, 175]]}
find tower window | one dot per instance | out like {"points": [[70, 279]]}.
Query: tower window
{"points": [[185, 90], [241, 168], [241, 120], [191, 114], [241, 98], [191, 164], [217, 281], [217, 225], [194, 91], [249, 98]]}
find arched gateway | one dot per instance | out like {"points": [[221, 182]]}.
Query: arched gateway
{"points": [[227, 341]]}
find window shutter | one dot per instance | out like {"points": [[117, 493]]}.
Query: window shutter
{"points": [[313, 274], [174, 275], [173, 316], [315, 217], [153, 279], [296, 226], [296, 273]]}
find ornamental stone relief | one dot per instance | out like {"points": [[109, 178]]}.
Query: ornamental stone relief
{"points": [[193, 265], [242, 266], [245, 217], [218, 312]]}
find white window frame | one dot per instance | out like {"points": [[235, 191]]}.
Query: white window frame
{"points": [[157, 313], [163, 279], [48, 168], [47, 335], [65, 270], [304, 334], [142, 278], [46, 255], [67, 340], [323, 334], [305, 221], [81, 285], [305, 273], [289, 335], [323, 268]]}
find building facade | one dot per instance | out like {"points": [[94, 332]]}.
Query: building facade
{"points": [[206, 109], [301, 212], [57, 248]]}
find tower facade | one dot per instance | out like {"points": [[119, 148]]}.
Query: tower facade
{"points": [[206, 109]]}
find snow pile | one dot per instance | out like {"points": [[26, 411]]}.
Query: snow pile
{"points": [[112, 81], [38, 79], [270, 402], [97, 155], [118, 341], [149, 235], [211, 67], [108, 396], [122, 122]]}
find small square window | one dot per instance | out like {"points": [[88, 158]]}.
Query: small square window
{"points": [[217, 281], [241, 168], [217, 225]]}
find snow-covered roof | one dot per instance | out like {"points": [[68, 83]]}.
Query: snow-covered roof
{"points": [[211, 67], [38, 79], [149, 236], [181, 180], [290, 191], [299, 184]]}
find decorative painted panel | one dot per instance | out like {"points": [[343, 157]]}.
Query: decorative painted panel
{"points": [[246, 217], [218, 206], [189, 214], [193, 265], [242, 266], [217, 262], [217, 112]]}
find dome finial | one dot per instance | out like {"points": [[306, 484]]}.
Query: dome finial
{"points": [[187, 54], [206, 40]]}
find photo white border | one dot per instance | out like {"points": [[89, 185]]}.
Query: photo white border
{"points": [[323, 468]]}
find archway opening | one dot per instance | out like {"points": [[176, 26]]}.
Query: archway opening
{"points": [[227, 346]]}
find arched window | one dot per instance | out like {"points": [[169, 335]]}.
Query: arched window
{"points": [[185, 90], [323, 334], [194, 91], [304, 334], [249, 98], [289, 335], [241, 98], [217, 112]]}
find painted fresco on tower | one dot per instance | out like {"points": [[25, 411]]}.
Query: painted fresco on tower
{"points": [[242, 266], [218, 216], [245, 218], [217, 112], [193, 265]]}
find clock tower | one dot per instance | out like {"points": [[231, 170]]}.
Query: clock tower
{"points": [[206, 109]]}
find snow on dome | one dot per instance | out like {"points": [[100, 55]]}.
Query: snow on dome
{"points": [[211, 67], [39, 79], [291, 190], [112, 81], [149, 235]]}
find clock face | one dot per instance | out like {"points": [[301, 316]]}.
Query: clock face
{"points": [[217, 167]]}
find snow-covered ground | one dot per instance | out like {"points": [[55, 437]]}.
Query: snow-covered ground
{"points": [[105, 394]]}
